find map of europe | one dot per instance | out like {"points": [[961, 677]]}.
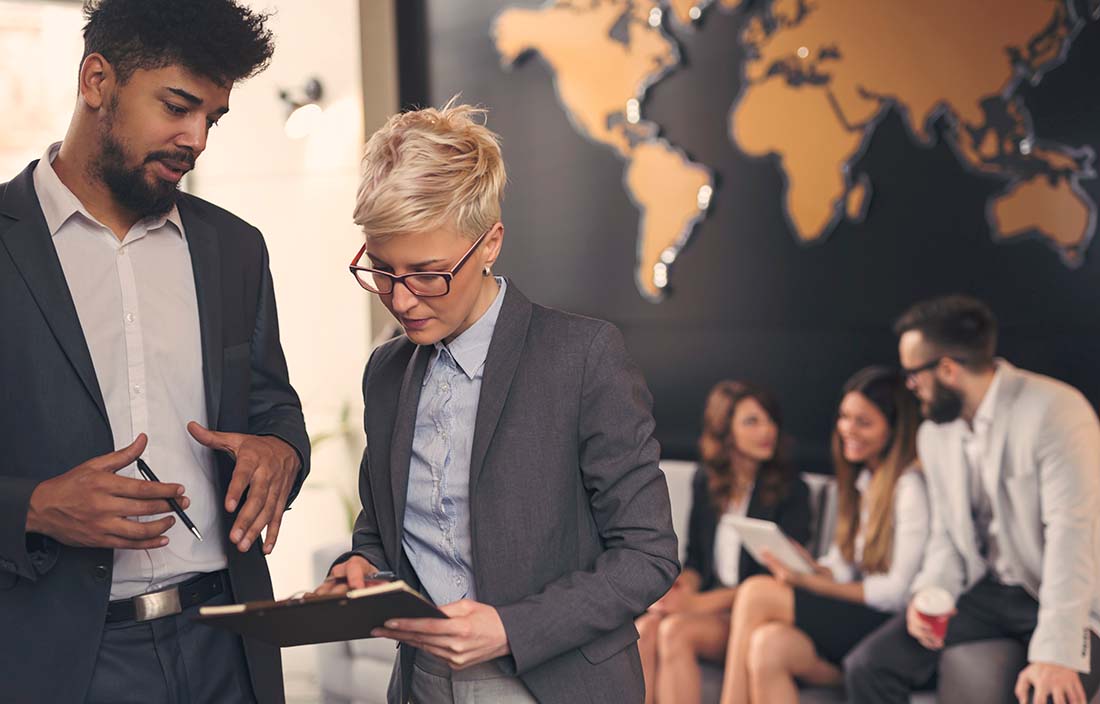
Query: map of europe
{"points": [[818, 79]]}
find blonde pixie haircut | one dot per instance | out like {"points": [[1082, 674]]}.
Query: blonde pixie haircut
{"points": [[430, 168]]}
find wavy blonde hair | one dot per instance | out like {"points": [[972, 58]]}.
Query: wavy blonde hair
{"points": [[431, 168], [885, 389]]}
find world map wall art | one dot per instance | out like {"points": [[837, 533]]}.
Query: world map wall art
{"points": [[817, 80]]}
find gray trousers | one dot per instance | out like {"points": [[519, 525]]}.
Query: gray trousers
{"points": [[170, 660], [433, 682], [889, 663]]}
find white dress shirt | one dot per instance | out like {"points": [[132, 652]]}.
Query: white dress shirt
{"points": [[137, 307], [727, 542], [889, 591], [976, 439]]}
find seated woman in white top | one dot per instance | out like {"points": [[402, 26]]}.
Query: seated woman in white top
{"points": [[792, 625]]}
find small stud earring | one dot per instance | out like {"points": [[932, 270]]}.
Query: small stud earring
{"points": [[488, 271]]}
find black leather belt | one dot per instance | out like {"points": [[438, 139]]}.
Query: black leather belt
{"points": [[170, 601]]}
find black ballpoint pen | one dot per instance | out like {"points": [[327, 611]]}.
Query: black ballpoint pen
{"points": [[148, 474]]}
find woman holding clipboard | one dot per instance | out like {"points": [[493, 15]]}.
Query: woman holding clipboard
{"points": [[742, 473], [794, 625], [511, 471]]}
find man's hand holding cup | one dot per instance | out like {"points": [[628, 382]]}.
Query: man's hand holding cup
{"points": [[928, 615]]}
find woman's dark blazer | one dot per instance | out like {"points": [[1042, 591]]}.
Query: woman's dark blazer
{"points": [[569, 512], [792, 514]]}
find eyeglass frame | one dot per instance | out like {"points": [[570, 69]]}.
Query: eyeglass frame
{"points": [[447, 276], [910, 374]]}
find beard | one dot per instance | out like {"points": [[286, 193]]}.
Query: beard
{"points": [[944, 407], [129, 185]]}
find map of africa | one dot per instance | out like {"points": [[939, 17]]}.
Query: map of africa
{"points": [[818, 79]]}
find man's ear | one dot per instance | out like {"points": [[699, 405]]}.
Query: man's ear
{"points": [[949, 372], [97, 80]]}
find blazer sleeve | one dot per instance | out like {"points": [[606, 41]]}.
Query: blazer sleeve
{"points": [[22, 554], [889, 591], [273, 405], [794, 512], [366, 541], [1068, 464], [628, 499], [943, 564]]}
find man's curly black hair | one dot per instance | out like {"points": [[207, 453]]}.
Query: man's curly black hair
{"points": [[216, 39]]}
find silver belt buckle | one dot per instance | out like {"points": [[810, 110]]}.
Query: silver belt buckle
{"points": [[157, 605]]}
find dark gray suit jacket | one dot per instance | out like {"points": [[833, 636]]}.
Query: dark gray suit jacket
{"points": [[570, 518], [53, 598]]}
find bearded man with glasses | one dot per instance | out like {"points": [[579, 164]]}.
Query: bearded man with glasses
{"points": [[1012, 461], [511, 471]]}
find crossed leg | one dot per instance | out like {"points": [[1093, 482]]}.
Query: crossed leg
{"points": [[766, 652]]}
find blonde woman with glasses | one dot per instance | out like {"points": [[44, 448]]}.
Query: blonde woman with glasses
{"points": [[792, 627], [511, 471]]}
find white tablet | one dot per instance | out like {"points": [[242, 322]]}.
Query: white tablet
{"points": [[758, 536]]}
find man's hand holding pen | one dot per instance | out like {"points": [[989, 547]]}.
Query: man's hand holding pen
{"points": [[267, 467], [92, 506]]}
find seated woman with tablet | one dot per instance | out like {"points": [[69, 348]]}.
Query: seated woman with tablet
{"points": [[742, 473], [797, 624]]}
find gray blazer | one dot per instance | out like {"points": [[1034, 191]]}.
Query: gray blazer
{"points": [[1044, 459], [570, 517], [53, 598]]}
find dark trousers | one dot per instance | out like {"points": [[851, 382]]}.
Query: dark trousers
{"points": [[170, 660], [890, 663]]}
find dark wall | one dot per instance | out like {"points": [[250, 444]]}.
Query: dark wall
{"points": [[748, 301]]}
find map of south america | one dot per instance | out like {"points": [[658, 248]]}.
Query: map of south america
{"points": [[604, 55]]}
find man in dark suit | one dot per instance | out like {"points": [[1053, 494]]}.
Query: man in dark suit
{"points": [[135, 318], [511, 470]]}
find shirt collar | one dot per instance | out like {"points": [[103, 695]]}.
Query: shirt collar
{"points": [[863, 481], [471, 347], [983, 418], [59, 203]]}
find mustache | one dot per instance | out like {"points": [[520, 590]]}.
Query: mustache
{"points": [[182, 157]]}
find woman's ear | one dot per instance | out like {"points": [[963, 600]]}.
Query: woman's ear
{"points": [[494, 241]]}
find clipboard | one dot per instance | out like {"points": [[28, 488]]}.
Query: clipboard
{"points": [[321, 619]]}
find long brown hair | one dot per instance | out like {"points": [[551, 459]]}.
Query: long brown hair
{"points": [[885, 388], [775, 476]]}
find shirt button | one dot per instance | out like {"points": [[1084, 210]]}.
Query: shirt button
{"points": [[122, 251], [444, 387], [130, 318], [138, 388]]}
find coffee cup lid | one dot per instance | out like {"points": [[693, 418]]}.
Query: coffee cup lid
{"points": [[933, 601]]}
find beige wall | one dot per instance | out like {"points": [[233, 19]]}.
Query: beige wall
{"points": [[300, 193]]}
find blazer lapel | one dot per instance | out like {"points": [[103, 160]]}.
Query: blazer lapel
{"points": [[401, 442], [202, 241], [998, 433], [505, 350], [958, 479], [32, 249]]}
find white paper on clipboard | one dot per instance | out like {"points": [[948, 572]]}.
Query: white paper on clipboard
{"points": [[758, 536]]}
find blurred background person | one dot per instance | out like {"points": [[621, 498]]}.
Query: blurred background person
{"points": [[792, 625], [742, 472], [1013, 463]]}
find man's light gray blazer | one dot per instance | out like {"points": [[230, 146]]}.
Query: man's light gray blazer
{"points": [[570, 518], [1044, 460]]}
